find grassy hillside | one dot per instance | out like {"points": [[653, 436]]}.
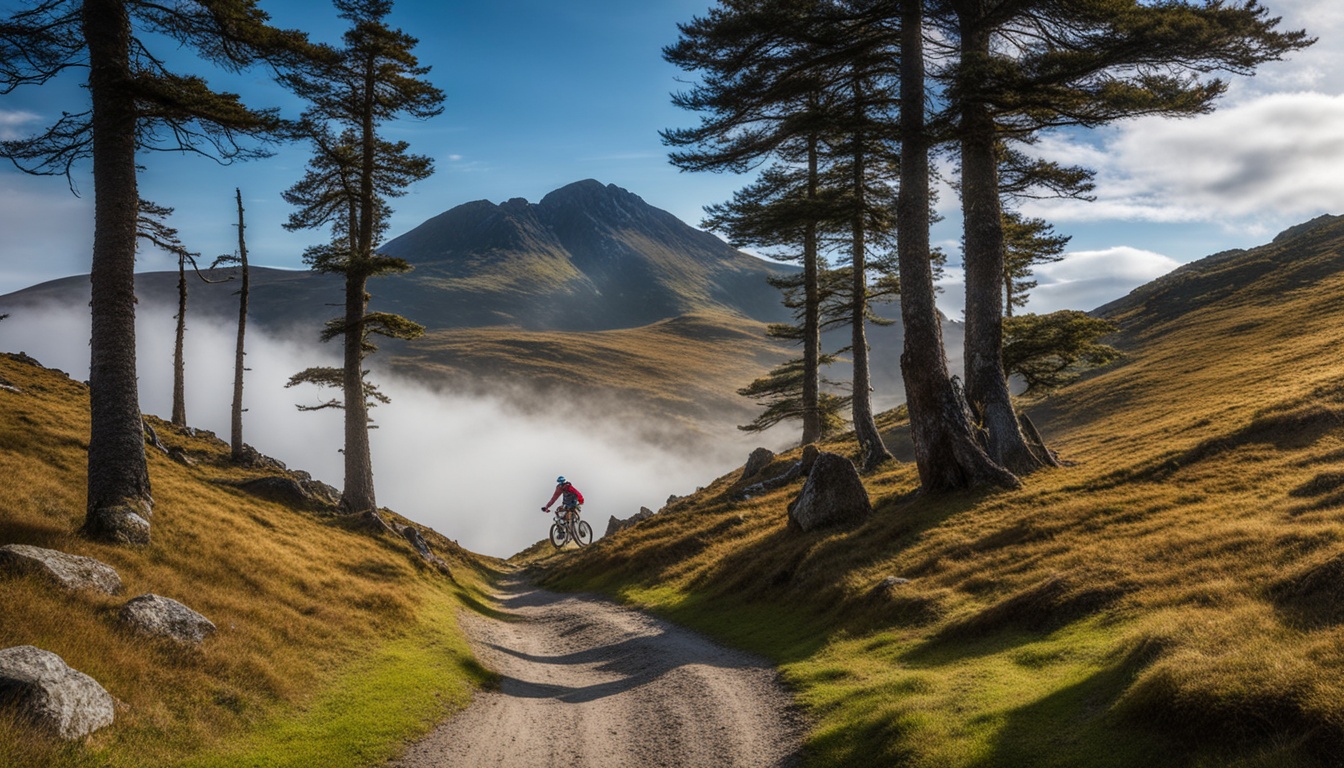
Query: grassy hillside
{"points": [[332, 648], [1171, 598], [686, 367]]}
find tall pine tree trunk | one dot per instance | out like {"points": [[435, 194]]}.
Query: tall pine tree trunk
{"points": [[236, 421], [179, 366], [986, 384], [865, 428], [358, 496], [947, 454], [812, 422], [119, 501]]}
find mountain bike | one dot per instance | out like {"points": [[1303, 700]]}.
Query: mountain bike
{"points": [[568, 527]]}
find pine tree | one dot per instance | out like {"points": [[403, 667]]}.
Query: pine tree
{"points": [[803, 82], [237, 448], [1027, 65], [948, 454], [152, 227], [134, 102], [1052, 350], [372, 79], [1026, 243]]}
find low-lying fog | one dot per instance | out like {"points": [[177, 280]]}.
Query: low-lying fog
{"points": [[473, 468]]}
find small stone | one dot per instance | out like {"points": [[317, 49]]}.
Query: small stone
{"points": [[757, 461]]}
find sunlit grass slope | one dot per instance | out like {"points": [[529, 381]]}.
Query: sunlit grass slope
{"points": [[685, 367], [1174, 597], [333, 646]]}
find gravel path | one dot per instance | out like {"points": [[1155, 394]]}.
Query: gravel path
{"points": [[587, 683]]}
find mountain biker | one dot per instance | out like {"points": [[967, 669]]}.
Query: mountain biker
{"points": [[572, 498]]}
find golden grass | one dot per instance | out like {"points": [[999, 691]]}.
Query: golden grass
{"points": [[300, 602], [1171, 598], [677, 366]]}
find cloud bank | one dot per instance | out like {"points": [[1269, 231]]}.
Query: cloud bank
{"points": [[475, 469]]}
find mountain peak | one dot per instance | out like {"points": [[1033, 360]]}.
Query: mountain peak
{"points": [[588, 255]]}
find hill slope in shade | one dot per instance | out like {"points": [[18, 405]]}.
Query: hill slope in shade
{"points": [[1171, 598]]}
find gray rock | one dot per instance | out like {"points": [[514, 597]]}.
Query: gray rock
{"points": [[164, 617], [47, 692], [283, 490], [69, 571], [122, 523], [421, 547], [832, 495], [757, 461], [181, 457], [615, 524]]}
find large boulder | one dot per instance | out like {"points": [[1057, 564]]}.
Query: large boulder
{"points": [[69, 571], [166, 618], [832, 495], [615, 524], [48, 693], [757, 461]]}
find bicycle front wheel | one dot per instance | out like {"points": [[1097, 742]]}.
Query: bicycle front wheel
{"points": [[559, 535], [583, 533]]}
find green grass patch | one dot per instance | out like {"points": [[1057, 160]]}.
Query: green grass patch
{"points": [[369, 711]]}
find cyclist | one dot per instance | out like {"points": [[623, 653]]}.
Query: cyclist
{"points": [[571, 497]]}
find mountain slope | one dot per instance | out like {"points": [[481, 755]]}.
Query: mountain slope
{"points": [[587, 257], [1171, 598], [526, 293]]}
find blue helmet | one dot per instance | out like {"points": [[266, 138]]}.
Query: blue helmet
{"points": [[560, 480]]}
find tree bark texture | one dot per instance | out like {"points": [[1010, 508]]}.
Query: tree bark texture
{"points": [[119, 501], [236, 421], [358, 495], [811, 310], [947, 454], [986, 384], [865, 428], [179, 365]]}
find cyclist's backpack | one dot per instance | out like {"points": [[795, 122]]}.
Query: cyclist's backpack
{"points": [[571, 496]]}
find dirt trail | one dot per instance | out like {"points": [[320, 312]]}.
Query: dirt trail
{"points": [[585, 682]]}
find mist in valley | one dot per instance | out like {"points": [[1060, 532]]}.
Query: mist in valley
{"points": [[476, 468]]}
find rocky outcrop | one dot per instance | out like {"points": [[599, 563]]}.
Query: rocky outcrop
{"points": [[832, 495], [757, 461], [294, 489], [45, 691], [166, 618], [421, 547], [799, 469], [282, 490], [615, 524], [69, 571]]}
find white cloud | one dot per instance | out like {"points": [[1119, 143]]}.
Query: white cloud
{"points": [[1250, 167], [1087, 279], [1081, 280], [12, 123]]}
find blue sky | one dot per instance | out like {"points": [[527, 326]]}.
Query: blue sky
{"points": [[540, 94]]}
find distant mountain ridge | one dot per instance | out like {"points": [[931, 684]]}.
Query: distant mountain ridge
{"points": [[541, 294], [586, 257]]}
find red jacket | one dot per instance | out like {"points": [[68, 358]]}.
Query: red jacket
{"points": [[566, 488]]}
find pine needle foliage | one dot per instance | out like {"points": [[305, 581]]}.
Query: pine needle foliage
{"points": [[371, 79]]}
